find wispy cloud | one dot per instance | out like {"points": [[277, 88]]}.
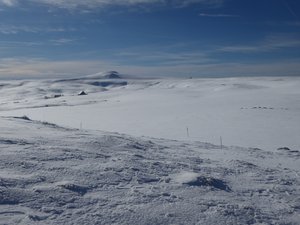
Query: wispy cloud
{"points": [[62, 41], [13, 29], [43, 68], [216, 15], [19, 44], [8, 3], [185, 3], [271, 43], [290, 9], [295, 24], [91, 4], [175, 53], [160, 58]]}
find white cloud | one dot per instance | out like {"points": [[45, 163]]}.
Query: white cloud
{"points": [[184, 3], [271, 43], [8, 2], [91, 4], [62, 41], [100, 3], [12, 29], [216, 15]]}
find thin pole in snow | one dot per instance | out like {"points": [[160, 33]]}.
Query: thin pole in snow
{"points": [[187, 132], [221, 142], [80, 125]]}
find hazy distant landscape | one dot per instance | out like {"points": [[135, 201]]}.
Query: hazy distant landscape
{"points": [[250, 112]]}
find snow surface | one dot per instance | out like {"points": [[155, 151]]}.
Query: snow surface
{"points": [[249, 112], [70, 172], [55, 175]]}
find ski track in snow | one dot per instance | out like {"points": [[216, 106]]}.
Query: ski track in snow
{"points": [[55, 175]]}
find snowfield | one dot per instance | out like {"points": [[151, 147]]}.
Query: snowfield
{"points": [[148, 151], [249, 112], [54, 175]]}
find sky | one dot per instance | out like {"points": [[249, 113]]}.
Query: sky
{"points": [[180, 38]]}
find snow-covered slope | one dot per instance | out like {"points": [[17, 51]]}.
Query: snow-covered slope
{"points": [[249, 112], [55, 175]]}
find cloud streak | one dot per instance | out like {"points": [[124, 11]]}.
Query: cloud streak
{"points": [[91, 4], [160, 58], [62, 41], [8, 3], [41, 68], [290, 9], [216, 15], [11, 68], [271, 43], [13, 29]]}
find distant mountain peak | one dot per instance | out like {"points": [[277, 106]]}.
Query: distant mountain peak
{"points": [[112, 75], [105, 75]]}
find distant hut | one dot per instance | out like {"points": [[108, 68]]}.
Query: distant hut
{"points": [[82, 93]]}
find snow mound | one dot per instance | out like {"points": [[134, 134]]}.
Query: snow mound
{"points": [[186, 177]]}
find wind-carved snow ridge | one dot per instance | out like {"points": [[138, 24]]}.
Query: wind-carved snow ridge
{"points": [[50, 175]]}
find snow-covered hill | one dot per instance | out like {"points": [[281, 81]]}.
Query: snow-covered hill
{"points": [[55, 175]]}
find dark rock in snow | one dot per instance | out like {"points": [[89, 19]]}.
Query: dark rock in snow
{"points": [[75, 188], [284, 148], [208, 181], [22, 118]]}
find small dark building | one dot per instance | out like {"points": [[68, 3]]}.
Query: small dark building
{"points": [[82, 93]]}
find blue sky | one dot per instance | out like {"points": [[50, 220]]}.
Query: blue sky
{"points": [[200, 38]]}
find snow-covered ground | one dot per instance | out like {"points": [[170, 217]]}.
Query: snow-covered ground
{"points": [[249, 112], [73, 173], [55, 175]]}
